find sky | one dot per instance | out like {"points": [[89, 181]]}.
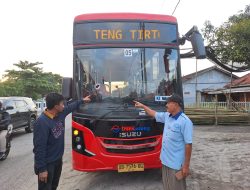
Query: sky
{"points": [[41, 30]]}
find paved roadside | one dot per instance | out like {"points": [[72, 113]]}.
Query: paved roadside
{"points": [[220, 161]]}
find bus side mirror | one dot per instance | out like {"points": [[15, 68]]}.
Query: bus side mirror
{"points": [[198, 45], [67, 88]]}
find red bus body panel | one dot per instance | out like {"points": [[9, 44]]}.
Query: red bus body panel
{"points": [[125, 16], [109, 161]]}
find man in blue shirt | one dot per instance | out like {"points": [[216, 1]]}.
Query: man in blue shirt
{"points": [[48, 140], [176, 142]]}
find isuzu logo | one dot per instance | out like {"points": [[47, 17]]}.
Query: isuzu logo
{"points": [[129, 131]]}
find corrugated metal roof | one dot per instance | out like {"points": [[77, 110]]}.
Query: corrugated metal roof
{"points": [[192, 75], [242, 81], [232, 90]]}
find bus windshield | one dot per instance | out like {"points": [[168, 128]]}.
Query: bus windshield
{"points": [[127, 74]]}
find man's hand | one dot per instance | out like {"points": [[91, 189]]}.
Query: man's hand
{"points": [[87, 99], [185, 167], [43, 176], [146, 108], [185, 170], [138, 104]]}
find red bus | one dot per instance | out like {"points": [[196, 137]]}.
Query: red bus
{"points": [[118, 58]]}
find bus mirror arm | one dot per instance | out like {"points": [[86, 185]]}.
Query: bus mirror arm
{"points": [[194, 36], [187, 36]]}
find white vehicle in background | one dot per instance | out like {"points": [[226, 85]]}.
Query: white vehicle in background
{"points": [[41, 106]]}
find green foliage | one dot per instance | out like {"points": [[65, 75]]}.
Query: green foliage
{"points": [[231, 41], [29, 80]]}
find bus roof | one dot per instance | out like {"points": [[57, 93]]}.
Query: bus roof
{"points": [[125, 16]]}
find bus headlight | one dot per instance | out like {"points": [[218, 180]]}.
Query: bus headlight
{"points": [[78, 139], [79, 147], [76, 132], [78, 144]]}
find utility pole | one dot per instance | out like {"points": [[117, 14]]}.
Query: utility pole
{"points": [[196, 96], [216, 110], [230, 98]]}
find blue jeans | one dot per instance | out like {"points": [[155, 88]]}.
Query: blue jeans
{"points": [[54, 173]]}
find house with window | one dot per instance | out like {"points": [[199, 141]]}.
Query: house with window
{"points": [[197, 85], [239, 90]]}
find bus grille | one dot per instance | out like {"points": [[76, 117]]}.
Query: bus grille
{"points": [[129, 146], [122, 151], [129, 142]]}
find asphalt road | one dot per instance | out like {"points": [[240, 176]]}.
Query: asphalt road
{"points": [[220, 161]]}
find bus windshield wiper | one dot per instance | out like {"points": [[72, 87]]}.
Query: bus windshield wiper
{"points": [[105, 114], [123, 104]]}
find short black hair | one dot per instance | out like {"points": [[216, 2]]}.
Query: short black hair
{"points": [[177, 99], [53, 99]]}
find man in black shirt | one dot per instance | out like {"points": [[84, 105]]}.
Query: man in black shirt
{"points": [[4, 123]]}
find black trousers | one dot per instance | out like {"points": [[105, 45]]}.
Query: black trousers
{"points": [[54, 173]]}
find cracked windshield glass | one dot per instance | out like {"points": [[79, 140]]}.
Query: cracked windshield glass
{"points": [[117, 76]]}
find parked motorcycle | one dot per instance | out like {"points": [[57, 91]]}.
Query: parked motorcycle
{"points": [[5, 132], [8, 137]]}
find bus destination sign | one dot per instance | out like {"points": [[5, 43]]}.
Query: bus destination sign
{"points": [[124, 32], [130, 34]]}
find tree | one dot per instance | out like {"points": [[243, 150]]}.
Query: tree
{"points": [[231, 40], [29, 80]]}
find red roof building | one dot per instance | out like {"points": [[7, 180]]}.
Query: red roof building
{"points": [[239, 89], [240, 82]]}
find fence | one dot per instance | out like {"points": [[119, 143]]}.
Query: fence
{"points": [[240, 106]]}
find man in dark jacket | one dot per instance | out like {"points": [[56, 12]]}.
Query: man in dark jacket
{"points": [[49, 140], [4, 123]]}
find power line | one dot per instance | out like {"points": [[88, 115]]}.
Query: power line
{"points": [[163, 3], [176, 6]]}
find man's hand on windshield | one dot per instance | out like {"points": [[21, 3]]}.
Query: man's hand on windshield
{"points": [[87, 99], [149, 111], [138, 104]]}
